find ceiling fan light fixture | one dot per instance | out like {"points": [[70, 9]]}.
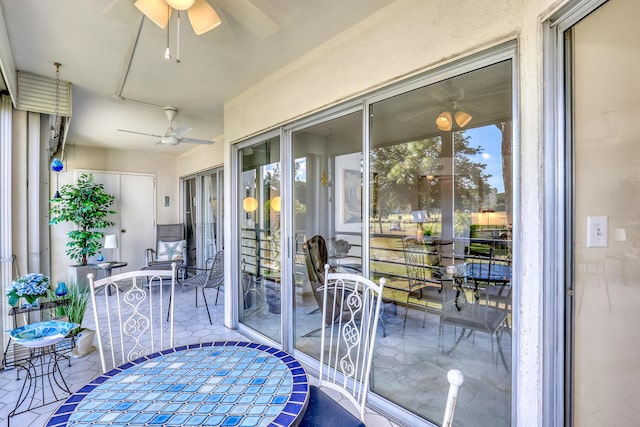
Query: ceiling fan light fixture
{"points": [[169, 140], [180, 4], [444, 121], [462, 118], [158, 11], [203, 17]]}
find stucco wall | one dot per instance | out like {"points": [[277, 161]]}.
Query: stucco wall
{"points": [[406, 38]]}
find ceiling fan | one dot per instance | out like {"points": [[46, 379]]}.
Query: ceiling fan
{"points": [[202, 16], [171, 136]]}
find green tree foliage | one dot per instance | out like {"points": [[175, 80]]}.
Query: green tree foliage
{"points": [[86, 204], [408, 174]]}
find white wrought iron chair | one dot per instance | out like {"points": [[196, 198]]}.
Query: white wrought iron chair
{"points": [[211, 277], [346, 348], [129, 321]]}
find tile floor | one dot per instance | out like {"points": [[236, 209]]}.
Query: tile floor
{"points": [[191, 325]]}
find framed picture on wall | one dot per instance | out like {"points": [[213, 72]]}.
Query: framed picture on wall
{"points": [[348, 193]]}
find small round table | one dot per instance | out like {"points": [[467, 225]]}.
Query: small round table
{"points": [[107, 267], [228, 383]]}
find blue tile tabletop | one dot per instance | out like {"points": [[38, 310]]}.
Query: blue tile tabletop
{"points": [[209, 384]]}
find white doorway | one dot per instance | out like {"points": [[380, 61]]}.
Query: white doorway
{"points": [[135, 201]]}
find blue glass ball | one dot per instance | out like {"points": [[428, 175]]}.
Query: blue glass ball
{"points": [[100, 258], [57, 165]]}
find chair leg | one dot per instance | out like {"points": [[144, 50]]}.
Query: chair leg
{"points": [[168, 309], [205, 304], [406, 311], [217, 293]]}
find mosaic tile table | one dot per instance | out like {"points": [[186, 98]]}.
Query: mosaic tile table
{"points": [[209, 384]]}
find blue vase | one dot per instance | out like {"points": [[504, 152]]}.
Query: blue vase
{"points": [[61, 290]]}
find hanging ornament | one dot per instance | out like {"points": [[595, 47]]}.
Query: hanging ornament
{"points": [[56, 166]]}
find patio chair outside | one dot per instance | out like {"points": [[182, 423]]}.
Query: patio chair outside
{"points": [[129, 321], [346, 348], [423, 273], [211, 277], [470, 314], [170, 247]]}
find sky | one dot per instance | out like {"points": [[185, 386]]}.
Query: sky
{"points": [[490, 139]]}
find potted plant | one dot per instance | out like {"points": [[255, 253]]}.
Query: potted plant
{"points": [[74, 312], [86, 204], [30, 287]]}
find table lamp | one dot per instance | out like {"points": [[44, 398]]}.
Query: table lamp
{"points": [[110, 242]]}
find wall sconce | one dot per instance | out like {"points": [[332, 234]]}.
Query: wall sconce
{"points": [[276, 204], [250, 204]]}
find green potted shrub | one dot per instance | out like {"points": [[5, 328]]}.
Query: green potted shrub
{"points": [[86, 204]]}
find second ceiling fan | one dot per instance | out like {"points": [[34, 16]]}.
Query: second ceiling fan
{"points": [[171, 135]]}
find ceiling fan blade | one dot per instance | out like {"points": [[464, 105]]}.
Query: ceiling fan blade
{"points": [[196, 141], [251, 17], [181, 130], [140, 133]]}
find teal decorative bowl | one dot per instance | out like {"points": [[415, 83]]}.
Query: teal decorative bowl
{"points": [[42, 334]]}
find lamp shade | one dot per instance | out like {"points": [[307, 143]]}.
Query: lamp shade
{"points": [[462, 118], [444, 121], [158, 11], [276, 204], [250, 204], [110, 241], [202, 17]]}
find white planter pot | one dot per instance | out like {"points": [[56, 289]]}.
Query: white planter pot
{"points": [[84, 343], [78, 273]]}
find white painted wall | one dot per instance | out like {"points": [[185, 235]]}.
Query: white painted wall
{"points": [[403, 39]]}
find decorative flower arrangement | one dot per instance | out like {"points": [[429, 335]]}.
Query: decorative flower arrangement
{"points": [[30, 287]]}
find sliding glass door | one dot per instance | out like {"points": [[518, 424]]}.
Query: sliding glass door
{"points": [[202, 215], [427, 162], [260, 293], [327, 185]]}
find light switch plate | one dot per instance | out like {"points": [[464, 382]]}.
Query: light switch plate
{"points": [[597, 231]]}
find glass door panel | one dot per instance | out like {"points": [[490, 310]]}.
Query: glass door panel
{"points": [[440, 164], [259, 186], [211, 241], [190, 219], [327, 199], [606, 341]]}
